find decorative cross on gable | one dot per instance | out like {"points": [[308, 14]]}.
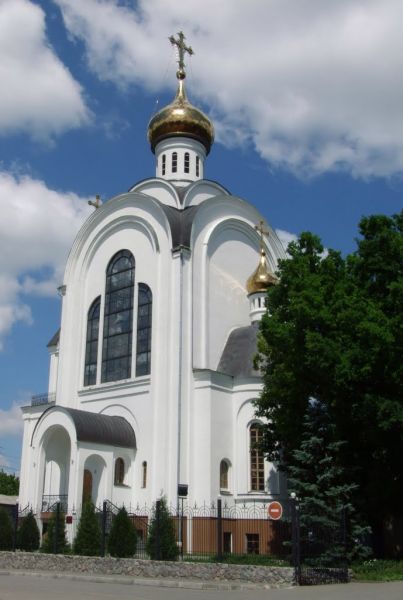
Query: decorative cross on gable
{"points": [[262, 231]]}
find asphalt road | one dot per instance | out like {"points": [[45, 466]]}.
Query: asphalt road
{"points": [[48, 587]]}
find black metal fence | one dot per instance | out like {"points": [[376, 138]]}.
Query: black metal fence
{"points": [[233, 532]]}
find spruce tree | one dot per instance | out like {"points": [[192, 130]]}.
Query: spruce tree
{"points": [[161, 542], [6, 530], [28, 534], [330, 533], [88, 538], [122, 540], [48, 541]]}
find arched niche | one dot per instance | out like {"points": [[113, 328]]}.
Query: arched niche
{"points": [[56, 449]]}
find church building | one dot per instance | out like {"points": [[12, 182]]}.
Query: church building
{"points": [[152, 380]]}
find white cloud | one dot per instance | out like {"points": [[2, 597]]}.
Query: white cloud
{"points": [[286, 237], [37, 228], [314, 86], [11, 422], [38, 93]]}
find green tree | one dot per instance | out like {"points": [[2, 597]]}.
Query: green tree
{"points": [[122, 540], [9, 484], [56, 529], [28, 534], [161, 542], [334, 331], [330, 533], [6, 530], [88, 538]]}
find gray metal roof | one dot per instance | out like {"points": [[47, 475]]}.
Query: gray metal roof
{"points": [[54, 340], [180, 221], [239, 351], [102, 429]]}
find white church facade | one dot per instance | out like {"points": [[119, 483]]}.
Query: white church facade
{"points": [[151, 380]]}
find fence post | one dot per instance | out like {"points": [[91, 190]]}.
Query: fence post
{"points": [[295, 538], [15, 511], [103, 540], [157, 530], [57, 525], [219, 530]]}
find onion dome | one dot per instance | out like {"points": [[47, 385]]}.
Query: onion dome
{"points": [[181, 118], [261, 279]]}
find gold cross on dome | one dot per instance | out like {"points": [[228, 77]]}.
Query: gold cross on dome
{"points": [[182, 48], [262, 232]]}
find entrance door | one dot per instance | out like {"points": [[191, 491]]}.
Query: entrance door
{"points": [[87, 486]]}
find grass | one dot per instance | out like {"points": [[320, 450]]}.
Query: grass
{"points": [[378, 570]]}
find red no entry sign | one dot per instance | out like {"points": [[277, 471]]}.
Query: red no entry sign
{"points": [[275, 510]]}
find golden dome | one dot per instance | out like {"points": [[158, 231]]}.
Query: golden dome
{"points": [[261, 279], [180, 118]]}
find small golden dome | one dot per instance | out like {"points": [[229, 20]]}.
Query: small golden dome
{"points": [[261, 279], [180, 118]]}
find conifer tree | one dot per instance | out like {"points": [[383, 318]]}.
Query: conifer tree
{"points": [[48, 541], [122, 540], [88, 538], [330, 532], [161, 542], [6, 530], [28, 534]]}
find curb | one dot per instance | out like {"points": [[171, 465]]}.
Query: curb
{"points": [[144, 581]]}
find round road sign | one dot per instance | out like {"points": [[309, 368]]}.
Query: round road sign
{"points": [[275, 510]]}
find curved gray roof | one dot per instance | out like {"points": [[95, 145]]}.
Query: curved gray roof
{"points": [[102, 429], [99, 429], [239, 352]]}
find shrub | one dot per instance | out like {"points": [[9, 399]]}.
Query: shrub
{"points": [[88, 538], [6, 530], [161, 541], [122, 541], [28, 534], [48, 540]]}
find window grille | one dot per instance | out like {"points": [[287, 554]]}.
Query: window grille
{"points": [[256, 459], [187, 162], [174, 162], [91, 345], [144, 322]]}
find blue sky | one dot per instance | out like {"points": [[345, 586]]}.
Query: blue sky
{"points": [[306, 97]]}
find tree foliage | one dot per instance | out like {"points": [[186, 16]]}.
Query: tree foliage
{"points": [[334, 331], [330, 532], [55, 538], [122, 540], [88, 538], [28, 534], [161, 542], [9, 484], [6, 530]]}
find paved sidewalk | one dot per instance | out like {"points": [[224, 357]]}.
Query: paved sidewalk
{"points": [[48, 586]]}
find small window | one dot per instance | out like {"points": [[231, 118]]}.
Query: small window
{"points": [[227, 542], [252, 543], [164, 164], [119, 471], [174, 162], [187, 162], [144, 475], [224, 469], [197, 166]]}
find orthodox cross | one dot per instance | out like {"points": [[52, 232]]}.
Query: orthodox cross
{"points": [[97, 202], [182, 48], [262, 232]]}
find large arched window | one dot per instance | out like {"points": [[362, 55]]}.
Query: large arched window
{"points": [[91, 345], [256, 458], [144, 316], [118, 318]]}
